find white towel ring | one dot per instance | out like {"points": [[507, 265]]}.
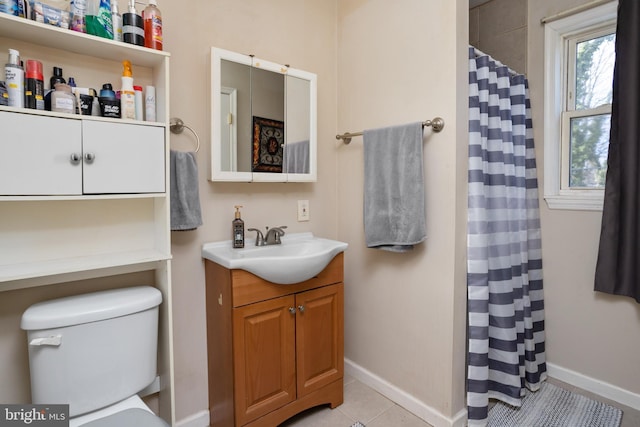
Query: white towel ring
{"points": [[176, 126]]}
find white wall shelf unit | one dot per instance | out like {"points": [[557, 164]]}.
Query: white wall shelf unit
{"points": [[120, 226]]}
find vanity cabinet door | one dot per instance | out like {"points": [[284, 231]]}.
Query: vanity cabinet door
{"points": [[123, 158], [319, 337], [39, 155], [264, 357]]}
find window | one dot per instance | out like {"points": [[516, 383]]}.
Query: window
{"points": [[579, 63]]}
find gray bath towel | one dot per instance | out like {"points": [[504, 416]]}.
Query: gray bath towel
{"points": [[394, 211], [185, 199]]}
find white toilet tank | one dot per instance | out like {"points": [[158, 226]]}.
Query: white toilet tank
{"points": [[92, 350]]}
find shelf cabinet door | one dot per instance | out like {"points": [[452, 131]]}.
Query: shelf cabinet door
{"points": [[127, 158], [264, 357], [35, 155], [319, 338]]}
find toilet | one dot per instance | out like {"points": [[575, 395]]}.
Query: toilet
{"points": [[94, 352]]}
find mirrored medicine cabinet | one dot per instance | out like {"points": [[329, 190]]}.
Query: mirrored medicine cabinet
{"points": [[263, 120]]}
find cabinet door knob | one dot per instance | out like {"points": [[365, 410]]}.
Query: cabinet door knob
{"points": [[301, 308], [292, 310], [89, 157], [75, 158]]}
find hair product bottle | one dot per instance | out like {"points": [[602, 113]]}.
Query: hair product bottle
{"points": [[55, 78], [34, 92], [150, 104], [152, 26], [14, 78], [127, 93]]}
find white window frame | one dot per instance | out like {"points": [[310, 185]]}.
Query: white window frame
{"points": [[556, 191]]}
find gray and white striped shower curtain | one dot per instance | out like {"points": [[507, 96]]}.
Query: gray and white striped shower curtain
{"points": [[504, 256]]}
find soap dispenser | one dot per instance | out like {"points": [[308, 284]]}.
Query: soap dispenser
{"points": [[238, 229]]}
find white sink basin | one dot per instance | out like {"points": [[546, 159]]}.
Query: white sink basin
{"points": [[299, 257]]}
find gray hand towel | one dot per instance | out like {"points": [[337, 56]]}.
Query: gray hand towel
{"points": [[185, 199], [296, 156], [394, 209]]}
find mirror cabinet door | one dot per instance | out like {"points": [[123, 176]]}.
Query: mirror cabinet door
{"points": [[235, 116], [263, 124]]}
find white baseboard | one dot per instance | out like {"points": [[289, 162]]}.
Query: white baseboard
{"points": [[404, 399], [199, 419], [593, 385]]}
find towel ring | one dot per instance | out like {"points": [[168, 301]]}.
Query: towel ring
{"points": [[176, 125]]}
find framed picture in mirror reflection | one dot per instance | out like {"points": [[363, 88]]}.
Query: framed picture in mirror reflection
{"points": [[268, 143]]}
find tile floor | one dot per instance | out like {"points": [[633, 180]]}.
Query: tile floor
{"points": [[364, 404]]}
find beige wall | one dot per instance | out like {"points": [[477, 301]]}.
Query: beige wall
{"points": [[404, 313], [499, 28], [591, 333], [301, 33]]}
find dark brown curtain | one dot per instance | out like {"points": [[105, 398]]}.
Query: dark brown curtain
{"points": [[618, 265]]}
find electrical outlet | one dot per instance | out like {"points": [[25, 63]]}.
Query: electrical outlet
{"points": [[303, 210]]}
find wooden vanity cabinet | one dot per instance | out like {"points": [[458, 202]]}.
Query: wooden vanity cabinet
{"points": [[274, 350]]}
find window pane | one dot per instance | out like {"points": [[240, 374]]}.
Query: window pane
{"points": [[589, 148], [595, 59]]}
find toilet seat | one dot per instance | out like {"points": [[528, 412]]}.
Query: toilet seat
{"points": [[131, 412]]}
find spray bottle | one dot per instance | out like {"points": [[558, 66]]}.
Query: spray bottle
{"points": [[127, 93], [14, 77]]}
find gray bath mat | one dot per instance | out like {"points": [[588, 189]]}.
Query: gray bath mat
{"points": [[553, 406]]}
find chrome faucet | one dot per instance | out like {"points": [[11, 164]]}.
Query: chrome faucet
{"points": [[272, 238], [259, 236], [274, 234]]}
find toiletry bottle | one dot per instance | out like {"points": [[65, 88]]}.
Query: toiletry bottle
{"points": [[152, 26], [63, 100], [109, 104], [22, 8], [9, 6], [55, 78], [238, 229], [95, 106], [139, 103], [132, 26], [116, 20], [127, 93], [72, 84], [150, 104], [78, 12], [34, 91], [98, 18], [14, 78]]}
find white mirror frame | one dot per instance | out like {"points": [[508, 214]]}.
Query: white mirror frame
{"points": [[217, 173]]}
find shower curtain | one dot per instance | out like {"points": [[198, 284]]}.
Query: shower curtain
{"points": [[506, 352]]}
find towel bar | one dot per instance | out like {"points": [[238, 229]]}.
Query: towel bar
{"points": [[177, 126], [437, 124]]}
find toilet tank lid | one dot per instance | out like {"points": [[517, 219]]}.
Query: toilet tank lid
{"points": [[91, 307]]}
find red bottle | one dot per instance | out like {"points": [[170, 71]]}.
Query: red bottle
{"points": [[152, 19]]}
